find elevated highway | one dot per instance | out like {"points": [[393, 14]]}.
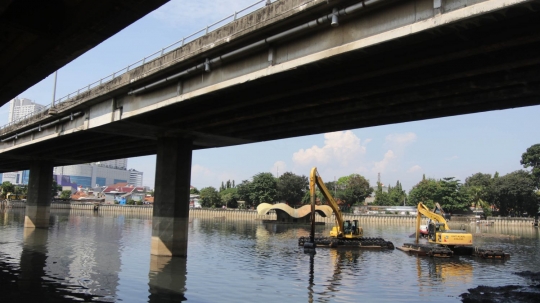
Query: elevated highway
{"points": [[285, 71]]}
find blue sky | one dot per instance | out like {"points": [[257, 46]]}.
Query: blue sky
{"points": [[448, 147]]}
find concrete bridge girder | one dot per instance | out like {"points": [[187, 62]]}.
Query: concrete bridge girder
{"points": [[221, 106]]}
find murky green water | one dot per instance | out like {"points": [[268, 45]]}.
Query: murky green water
{"points": [[87, 256]]}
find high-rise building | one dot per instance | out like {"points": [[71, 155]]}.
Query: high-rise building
{"points": [[119, 163], [91, 175], [87, 175], [135, 178], [20, 107]]}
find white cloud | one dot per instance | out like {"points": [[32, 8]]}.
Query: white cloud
{"points": [[401, 139], [279, 168], [340, 146], [380, 167], [200, 171], [451, 158], [311, 155], [202, 177], [414, 168], [396, 144]]}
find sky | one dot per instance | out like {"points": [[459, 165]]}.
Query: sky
{"points": [[458, 146]]}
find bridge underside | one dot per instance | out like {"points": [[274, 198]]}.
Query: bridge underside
{"points": [[487, 63], [38, 37]]}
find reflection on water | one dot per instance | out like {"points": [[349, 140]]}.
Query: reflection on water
{"points": [[167, 279], [87, 256], [434, 271]]}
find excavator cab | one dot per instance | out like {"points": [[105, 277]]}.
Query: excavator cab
{"points": [[352, 229], [346, 227], [433, 229]]}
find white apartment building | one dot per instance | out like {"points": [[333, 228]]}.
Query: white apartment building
{"points": [[135, 178], [20, 107]]}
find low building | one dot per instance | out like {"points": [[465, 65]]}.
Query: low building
{"points": [[122, 192]]}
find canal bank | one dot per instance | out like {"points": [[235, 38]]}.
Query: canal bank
{"points": [[238, 214]]}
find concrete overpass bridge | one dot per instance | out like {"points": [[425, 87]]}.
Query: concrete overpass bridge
{"points": [[292, 68]]}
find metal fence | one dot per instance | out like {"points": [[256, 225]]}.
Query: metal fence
{"points": [[156, 55]]}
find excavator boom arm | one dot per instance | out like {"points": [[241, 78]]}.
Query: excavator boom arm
{"points": [[423, 210], [316, 180]]}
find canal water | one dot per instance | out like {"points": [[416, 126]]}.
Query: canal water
{"points": [[88, 257]]}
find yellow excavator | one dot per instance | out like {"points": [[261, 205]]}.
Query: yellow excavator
{"points": [[443, 241], [345, 233], [438, 230]]}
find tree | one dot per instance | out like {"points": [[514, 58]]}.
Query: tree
{"points": [[531, 158], [452, 196], [479, 179], [381, 197], [449, 193], [243, 191], [55, 188], [292, 188], [7, 187], [263, 188], [210, 197], [478, 187], [396, 194], [65, 194], [514, 194], [192, 191], [229, 197], [425, 191], [356, 188]]}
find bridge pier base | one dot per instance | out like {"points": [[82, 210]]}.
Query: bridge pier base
{"points": [[38, 200], [171, 198]]}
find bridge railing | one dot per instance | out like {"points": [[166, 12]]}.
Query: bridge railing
{"points": [[156, 55]]}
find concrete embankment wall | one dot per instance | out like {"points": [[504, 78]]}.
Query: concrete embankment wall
{"points": [[235, 214], [509, 221]]}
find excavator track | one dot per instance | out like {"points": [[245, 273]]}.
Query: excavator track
{"points": [[488, 253], [361, 243], [437, 251]]}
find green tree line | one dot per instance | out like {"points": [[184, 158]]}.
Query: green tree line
{"points": [[288, 188], [516, 193]]}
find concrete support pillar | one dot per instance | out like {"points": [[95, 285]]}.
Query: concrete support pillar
{"points": [[38, 200], [171, 197]]}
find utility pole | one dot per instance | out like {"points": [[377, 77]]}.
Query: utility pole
{"points": [[54, 88], [335, 186]]}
